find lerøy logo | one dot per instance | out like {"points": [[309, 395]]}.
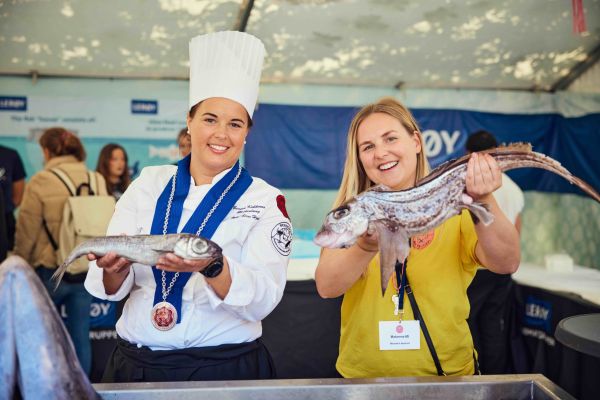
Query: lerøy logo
{"points": [[144, 106], [538, 313], [13, 103]]}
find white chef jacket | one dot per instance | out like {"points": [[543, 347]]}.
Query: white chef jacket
{"points": [[255, 237]]}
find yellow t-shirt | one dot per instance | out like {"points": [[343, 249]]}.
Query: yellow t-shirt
{"points": [[440, 269]]}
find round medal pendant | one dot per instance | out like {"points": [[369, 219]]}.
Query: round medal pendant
{"points": [[164, 316]]}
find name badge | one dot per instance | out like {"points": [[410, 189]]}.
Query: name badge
{"points": [[395, 335]]}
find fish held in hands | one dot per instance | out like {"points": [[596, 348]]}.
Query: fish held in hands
{"points": [[398, 215], [144, 249]]}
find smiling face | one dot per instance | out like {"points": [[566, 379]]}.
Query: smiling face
{"points": [[387, 151], [218, 130], [116, 163]]}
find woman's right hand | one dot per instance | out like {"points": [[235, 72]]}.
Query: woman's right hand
{"points": [[111, 263], [115, 270], [368, 241], [339, 269]]}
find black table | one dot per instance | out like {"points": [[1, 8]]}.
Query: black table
{"points": [[581, 333]]}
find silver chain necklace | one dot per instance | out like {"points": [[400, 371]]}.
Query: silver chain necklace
{"points": [[165, 290]]}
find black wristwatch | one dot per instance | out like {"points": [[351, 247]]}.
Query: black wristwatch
{"points": [[214, 268]]}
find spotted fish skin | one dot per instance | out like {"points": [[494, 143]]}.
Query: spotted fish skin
{"points": [[143, 249], [399, 215]]}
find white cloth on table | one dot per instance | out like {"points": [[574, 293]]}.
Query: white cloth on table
{"points": [[582, 281]]}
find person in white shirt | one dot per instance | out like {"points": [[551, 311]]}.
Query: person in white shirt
{"points": [[489, 292], [201, 320]]}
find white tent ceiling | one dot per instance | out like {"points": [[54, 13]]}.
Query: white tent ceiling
{"points": [[506, 44]]}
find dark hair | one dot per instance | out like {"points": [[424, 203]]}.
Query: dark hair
{"points": [[481, 140], [182, 133], [60, 142], [103, 168], [193, 110]]}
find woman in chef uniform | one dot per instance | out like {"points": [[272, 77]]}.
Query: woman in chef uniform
{"points": [[201, 320]]}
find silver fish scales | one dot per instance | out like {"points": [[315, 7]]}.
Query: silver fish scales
{"points": [[399, 215], [37, 357], [143, 249]]}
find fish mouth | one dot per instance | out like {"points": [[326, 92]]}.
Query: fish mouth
{"points": [[331, 240], [215, 251]]}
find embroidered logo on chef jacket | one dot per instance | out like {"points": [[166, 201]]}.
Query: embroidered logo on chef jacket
{"points": [[281, 236]]}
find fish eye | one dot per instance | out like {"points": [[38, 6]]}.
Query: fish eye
{"points": [[341, 212], [200, 246]]}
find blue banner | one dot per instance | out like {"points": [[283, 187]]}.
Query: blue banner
{"points": [[103, 313], [144, 107], [13, 103], [303, 147]]}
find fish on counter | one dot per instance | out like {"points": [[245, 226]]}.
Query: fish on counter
{"points": [[143, 249], [398, 215], [37, 357]]}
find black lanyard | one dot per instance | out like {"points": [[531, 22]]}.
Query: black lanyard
{"points": [[402, 286], [401, 279], [401, 283]]}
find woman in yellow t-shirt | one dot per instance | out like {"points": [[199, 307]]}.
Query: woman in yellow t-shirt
{"points": [[385, 146]]}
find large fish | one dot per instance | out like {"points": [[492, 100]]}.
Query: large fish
{"points": [[143, 249], [36, 352], [399, 215]]}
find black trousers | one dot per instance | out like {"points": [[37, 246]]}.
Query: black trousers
{"points": [[11, 226], [128, 363], [488, 294]]}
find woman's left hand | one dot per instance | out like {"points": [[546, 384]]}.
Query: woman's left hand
{"points": [[483, 176], [172, 263]]}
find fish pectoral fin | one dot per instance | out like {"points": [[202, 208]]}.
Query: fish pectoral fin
{"points": [[393, 246], [480, 212]]}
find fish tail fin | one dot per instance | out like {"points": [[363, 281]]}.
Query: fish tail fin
{"points": [[480, 212], [80, 250], [531, 159], [586, 187], [58, 275]]}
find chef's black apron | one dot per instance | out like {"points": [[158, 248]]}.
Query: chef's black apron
{"points": [[129, 363]]}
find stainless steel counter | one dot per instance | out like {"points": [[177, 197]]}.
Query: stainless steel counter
{"points": [[469, 387]]}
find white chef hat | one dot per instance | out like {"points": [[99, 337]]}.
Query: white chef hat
{"points": [[226, 64]]}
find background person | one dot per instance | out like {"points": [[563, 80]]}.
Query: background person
{"points": [[113, 165], [12, 181], [201, 320], [184, 141], [385, 146], [43, 202], [489, 292]]}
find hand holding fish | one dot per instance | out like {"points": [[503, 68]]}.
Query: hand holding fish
{"points": [[483, 176], [115, 269], [172, 263], [368, 242], [111, 263]]}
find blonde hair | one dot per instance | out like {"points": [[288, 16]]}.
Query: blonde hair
{"points": [[355, 179]]}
